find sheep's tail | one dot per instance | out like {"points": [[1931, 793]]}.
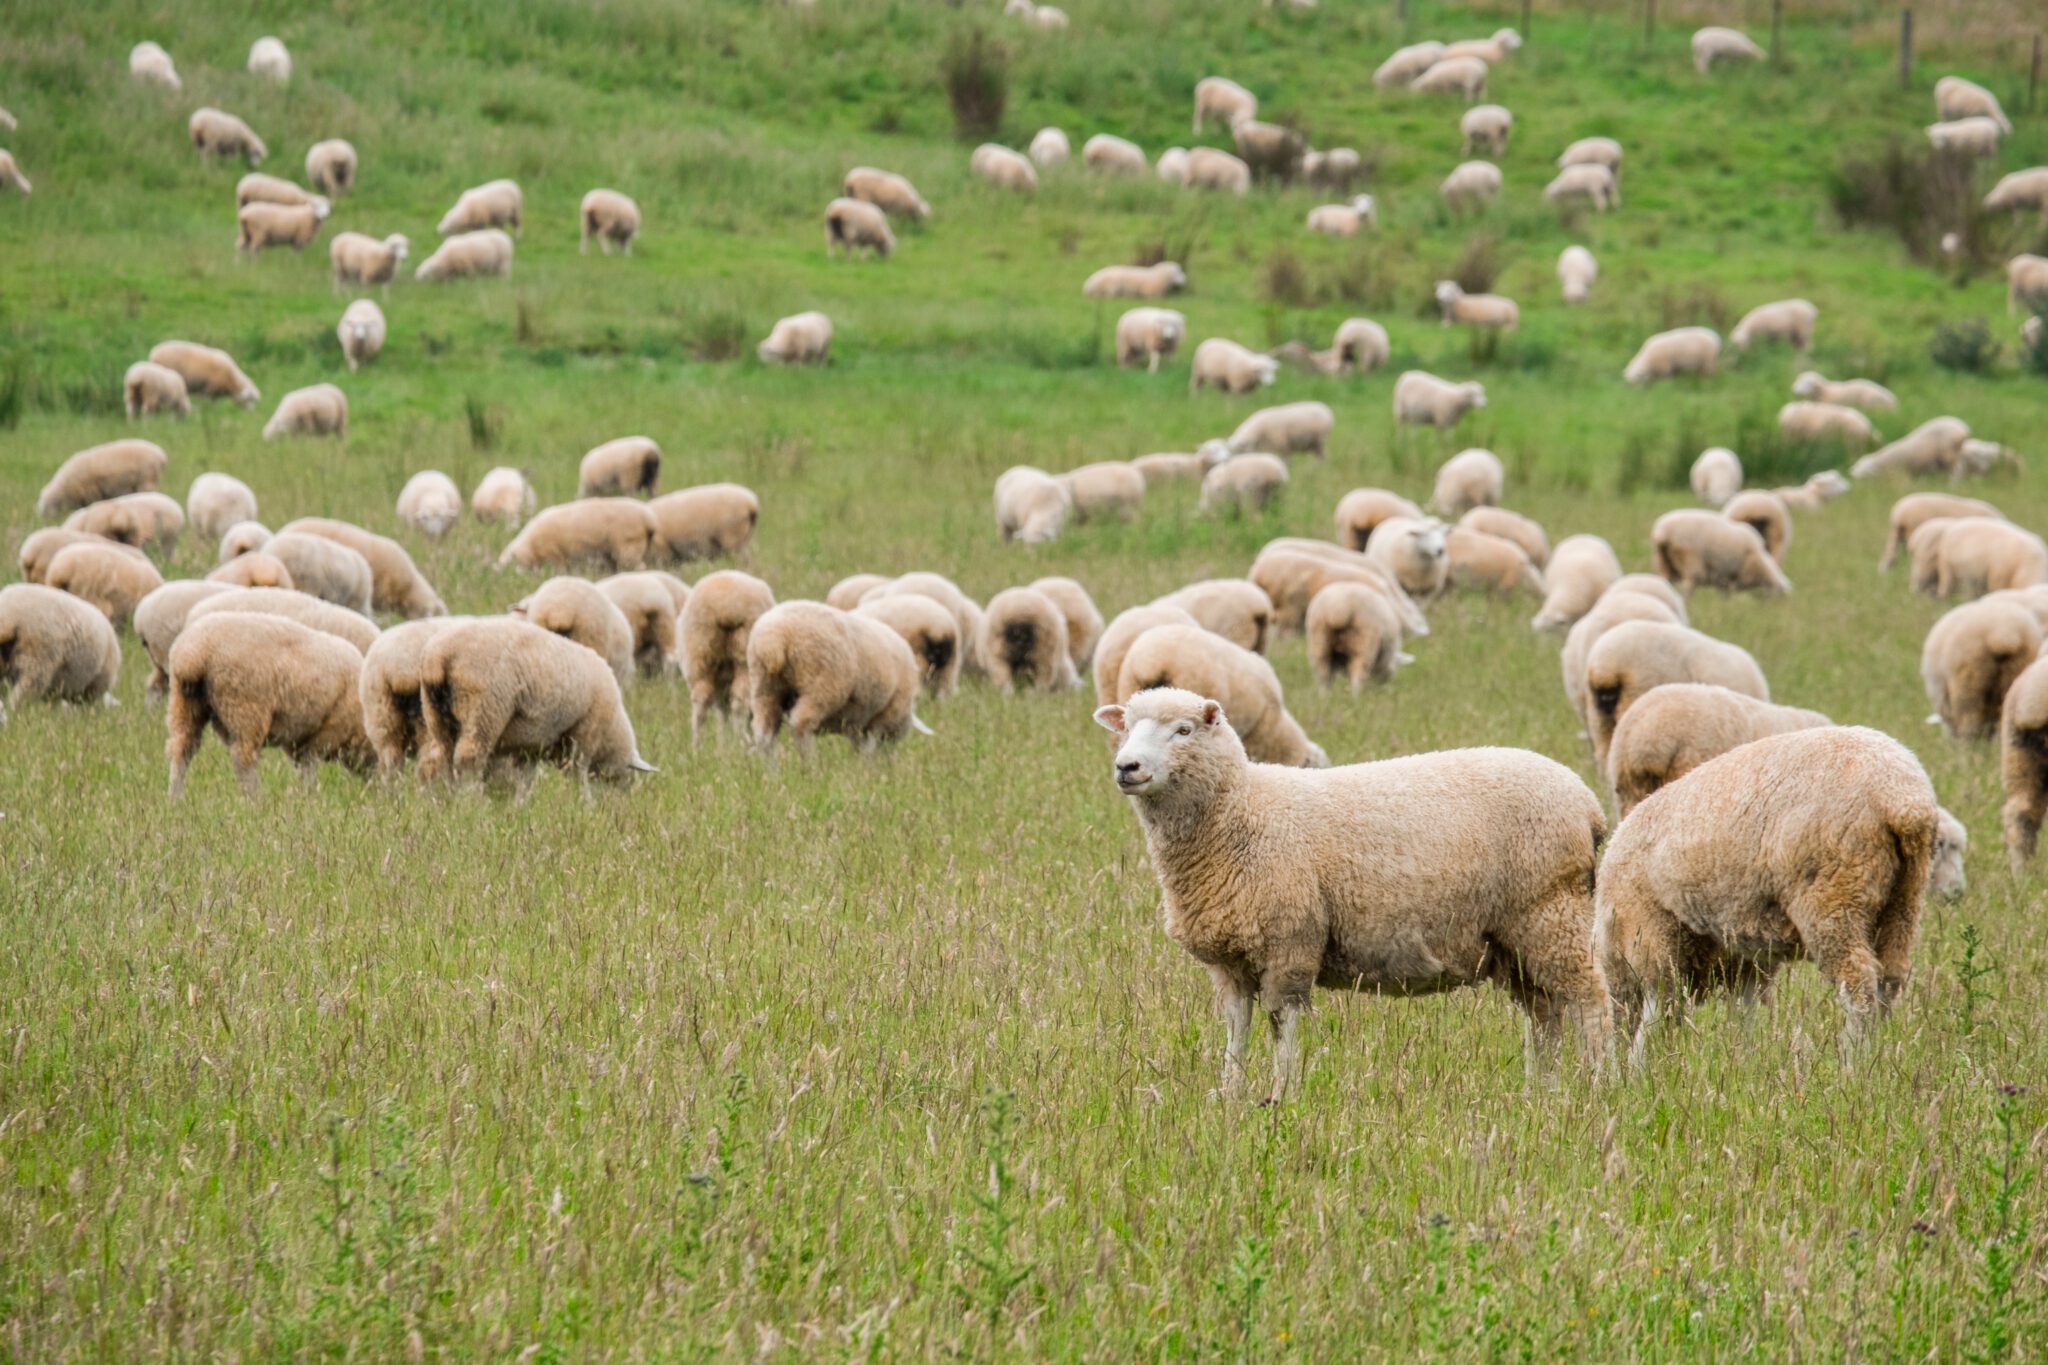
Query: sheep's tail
{"points": [[1660, 559]]}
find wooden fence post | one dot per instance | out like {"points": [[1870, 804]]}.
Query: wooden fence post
{"points": [[1905, 47], [1777, 20], [1525, 32], [1649, 22], [2033, 78]]}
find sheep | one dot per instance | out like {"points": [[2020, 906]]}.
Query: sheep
{"points": [[150, 390], [847, 593], [1236, 609], [2026, 278], [1978, 458], [1342, 220], [1147, 336], [1786, 320], [1493, 51], [11, 177], [1634, 656], [1413, 553], [1107, 152], [1290, 571], [1475, 310], [1202, 662], [1108, 491], [244, 537], [1077, 609], [1682, 350], [504, 695], [1121, 634], [1970, 556], [495, 204], [1971, 657], [610, 217], [326, 569], [143, 520], [799, 339], [264, 682], [1454, 75], [159, 617], [269, 59], [503, 495], [1968, 137], [1218, 97], [652, 607], [358, 259], [712, 640], [1577, 572], [1286, 429], [2019, 191], [616, 533], [259, 188], [361, 332], [2031, 337], [708, 521], [1525, 534], [1135, 281], [100, 472], [930, 631], [1817, 843], [2022, 759], [1800, 420], [1716, 475], [207, 371], [1576, 271], [1363, 509], [215, 502], [966, 612], [1471, 185], [628, 464], [394, 711], [1632, 597], [1716, 44], [1023, 642], [1588, 180], [1047, 18], [1957, 98], [1166, 467], [1049, 147], [468, 255], [1694, 548], [1003, 168], [1172, 166], [1030, 505], [1471, 478], [253, 570], [111, 580], [321, 410], [1408, 875], [1422, 399], [853, 226], [1597, 151], [1766, 514], [54, 646], [1336, 168], [816, 669], [220, 134], [1212, 168], [1267, 149], [1867, 394], [331, 167], [1933, 447], [430, 503], [1352, 631], [575, 609], [1486, 126], [259, 226], [1224, 364], [1360, 346], [1405, 65], [1816, 493], [1243, 483], [151, 65], [1678, 726]]}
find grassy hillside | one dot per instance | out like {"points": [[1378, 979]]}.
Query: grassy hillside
{"points": [[723, 1066]]}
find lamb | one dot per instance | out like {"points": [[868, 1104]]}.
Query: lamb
{"points": [[1867, 394], [1786, 320], [1360, 345], [628, 464], [1135, 281], [1003, 168], [574, 609], [887, 191], [1815, 844], [1580, 569], [1173, 656], [1597, 151], [1970, 556], [269, 59], [150, 64], [712, 643], [1576, 271], [967, 613], [1766, 514], [1023, 642], [149, 390], [2019, 191], [1287, 429], [1422, 399], [11, 177], [253, 570], [1405, 65], [1694, 548], [930, 631], [1236, 609], [1108, 491], [503, 495], [1049, 147], [1291, 571], [259, 188], [1817, 492], [1172, 166], [1476, 561], [361, 332], [1471, 478], [1683, 350], [1218, 97], [1678, 726], [799, 339], [1471, 185], [617, 534], [1147, 336], [494, 204], [1633, 656], [1212, 168], [1454, 75], [143, 520], [1486, 126], [1968, 137], [847, 593], [1412, 553], [652, 607], [357, 259], [1716, 475], [100, 472], [1957, 98], [853, 226], [259, 226], [1714, 44], [468, 255], [1336, 168], [1107, 152], [1223, 364], [207, 372], [708, 521], [331, 167], [54, 646], [504, 695], [1933, 447], [2022, 758], [1971, 658], [394, 711], [1588, 180], [610, 217], [109, 579], [244, 537], [1243, 483], [219, 134], [1493, 51], [326, 569], [1362, 509], [158, 619], [1525, 534], [430, 503], [215, 502], [820, 670], [264, 682], [1409, 875], [1353, 631], [321, 410]]}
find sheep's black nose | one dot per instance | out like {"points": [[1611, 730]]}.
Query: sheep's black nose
{"points": [[1127, 770]]}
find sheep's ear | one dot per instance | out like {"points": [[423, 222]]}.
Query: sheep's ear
{"points": [[1212, 713], [1110, 718]]}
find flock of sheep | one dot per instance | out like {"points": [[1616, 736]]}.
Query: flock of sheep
{"points": [[1751, 833]]}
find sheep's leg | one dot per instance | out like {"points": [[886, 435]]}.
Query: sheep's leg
{"points": [[183, 745], [1153, 368], [2022, 826], [1235, 998], [244, 753], [1285, 992]]}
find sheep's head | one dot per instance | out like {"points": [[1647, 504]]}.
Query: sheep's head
{"points": [[1448, 290], [1364, 207], [1268, 368], [1807, 384], [398, 246], [1176, 277], [321, 208], [1430, 539], [1474, 392], [1169, 738], [1828, 484], [1508, 39], [1213, 452], [1945, 878]]}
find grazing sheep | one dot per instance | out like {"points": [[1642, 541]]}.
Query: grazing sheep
{"points": [[158, 619], [1786, 320], [244, 537], [321, 410], [1078, 610], [1957, 98], [1513, 527], [1454, 75], [712, 645], [269, 59], [1970, 556], [1107, 152], [930, 631], [1968, 137], [2022, 759], [1212, 168], [1354, 632], [1172, 166], [1595, 151], [2019, 191], [1588, 180], [1485, 126], [503, 495], [1472, 185], [143, 520], [1715, 44], [1978, 458], [468, 255], [1023, 642], [1135, 281], [1235, 608], [1493, 51], [1360, 345], [358, 259], [1121, 634], [853, 226], [1243, 483], [610, 217], [1623, 601], [817, 670], [1165, 467], [1291, 570], [1694, 548], [1716, 475], [1634, 656], [100, 472], [207, 372], [54, 645], [394, 711], [799, 339], [1202, 662], [430, 503], [1286, 429], [1003, 168], [575, 609], [708, 521], [2026, 278], [1413, 553], [1109, 491], [1046, 18], [326, 569], [264, 682], [258, 188], [1678, 726], [150, 390], [1814, 844], [1683, 350], [1218, 97], [219, 134], [1576, 271], [151, 65], [258, 226], [1405, 65], [1867, 394], [331, 167], [1766, 514], [1268, 149], [215, 502], [629, 464], [1224, 364], [253, 570], [966, 612], [495, 204], [502, 695], [1469, 479], [848, 592], [1049, 147], [1406, 876], [1970, 659], [1933, 447], [1336, 168], [1477, 561], [1363, 509], [1475, 310], [1422, 399], [1817, 492], [361, 332], [653, 607], [1803, 421], [1578, 571], [105, 576], [1147, 336], [887, 191]]}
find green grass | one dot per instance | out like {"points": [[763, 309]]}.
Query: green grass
{"points": [[716, 1065]]}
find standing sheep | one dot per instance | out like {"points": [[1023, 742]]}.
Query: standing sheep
{"points": [[1633, 657], [1716, 475], [269, 59], [215, 502], [709, 521], [1362, 509], [1290, 571], [1475, 310], [503, 495], [207, 372], [361, 332], [1404, 66], [817, 669], [853, 226], [1360, 345], [1049, 147], [1422, 399], [54, 645], [1957, 98], [1786, 320], [1970, 556], [2022, 759], [1803, 421], [331, 167], [143, 520], [1454, 75], [1107, 152], [149, 390], [1196, 660], [159, 618], [624, 465], [848, 592], [1154, 281], [1220, 98], [430, 503], [1715, 44], [1108, 491], [1485, 126], [151, 65], [1268, 150], [469, 255], [1683, 350], [1472, 185], [930, 631], [11, 177], [397, 585], [1003, 168], [1476, 561], [1597, 151], [253, 570], [495, 204], [1243, 483], [1469, 479], [800, 339], [966, 612], [716, 624], [244, 537], [1121, 634], [610, 217], [1969, 137], [1147, 336], [1971, 658], [100, 472], [258, 188], [321, 410], [1576, 271], [394, 711], [574, 609], [1678, 726], [1817, 492], [1224, 364], [1212, 168], [1023, 642], [1915, 510], [1694, 548], [1589, 181], [218, 134], [1353, 632], [1493, 51], [1579, 570], [1236, 609], [1342, 220], [1933, 447], [325, 569], [889, 192], [1171, 167], [1414, 554], [2020, 191], [1287, 429], [104, 576], [357, 259], [652, 603], [1766, 514], [1522, 532], [1632, 597], [265, 682], [259, 226]]}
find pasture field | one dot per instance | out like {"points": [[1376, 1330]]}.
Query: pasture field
{"points": [[888, 1058]]}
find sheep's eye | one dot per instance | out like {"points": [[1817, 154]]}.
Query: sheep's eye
{"points": [[1183, 729]]}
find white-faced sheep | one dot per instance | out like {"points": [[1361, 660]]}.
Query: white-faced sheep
{"points": [[1475, 310], [1243, 483], [269, 59], [244, 537], [1716, 475], [2020, 191], [1135, 281], [1405, 65], [2022, 761], [1576, 271], [1422, 399], [1492, 50], [331, 167], [1212, 168], [1003, 168], [1968, 137], [799, 339], [1107, 491], [1224, 364], [151, 65], [325, 569], [1676, 727], [1342, 220], [886, 190], [1786, 320], [1522, 531], [1588, 180], [1683, 350], [853, 226], [430, 503], [495, 204], [1454, 76], [361, 332], [503, 495], [1353, 632], [215, 502], [1220, 98], [819, 670], [1472, 185], [1578, 571], [708, 521], [1479, 562], [1235, 608], [259, 226], [357, 259], [1049, 147], [1694, 548], [1363, 509], [1766, 514], [1286, 429], [100, 472], [1971, 657], [253, 570], [610, 217], [152, 390], [1360, 345], [320, 410], [1146, 336], [1486, 127], [930, 631], [54, 646], [652, 603], [1596, 151], [105, 576], [1933, 447], [1715, 44], [143, 520], [216, 133], [575, 609], [628, 464], [1107, 152], [1023, 642], [1200, 661], [264, 682], [1817, 492], [712, 643], [1867, 394], [207, 371], [1414, 554], [1634, 656], [1469, 479], [469, 255], [1970, 556]]}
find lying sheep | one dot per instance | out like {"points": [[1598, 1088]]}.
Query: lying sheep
{"points": [[1493, 51], [1003, 168], [143, 520], [325, 569], [100, 472], [1933, 447], [1683, 350], [1454, 75], [1971, 658], [468, 255], [503, 495], [494, 204], [394, 711], [1968, 137], [1243, 483], [1219, 97], [1970, 556], [105, 577], [269, 59], [54, 646], [1360, 345], [1177, 656], [207, 372], [1816, 493], [259, 226], [1049, 147], [264, 682], [151, 390], [361, 332], [1405, 65], [1579, 570], [259, 188], [215, 502], [2022, 759], [709, 521], [1147, 336], [930, 631], [610, 217], [357, 259], [1403, 876], [321, 410], [1957, 98], [244, 537], [1108, 491], [1520, 531], [1587, 180], [1766, 514], [712, 643], [1422, 399], [1596, 151], [1414, 554], [1637, 655], [1867, 394], [1714, 44], [625, 465], [818, 670], [2020, 191], [1786, 320], [1576, 271], [1814, 844], [331, 167], [430, 503], [1620, 603], [1486, 126], [574, 609], [1475, 310], [150, 64], [1471, 478], [1363, 509], [1716, 475], [253, 570], [799, 339], [158, 619], [1236, 609], [1286, 429], [1135, 281], [1676, 727], [1224, 364], [1212, 168], [1353, 632], [219, 134], [652, 604], [1693, 548], [1023, 642], [853, 226], [1472, 185], [1107, 152]]}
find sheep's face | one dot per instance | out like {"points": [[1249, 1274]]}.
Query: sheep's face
{"points": [[1807, 385], [1176, 277], [1475, 395], [1429, 541], [1829, 483], [1164, 732], [1945, 878], [1447, 290]]}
